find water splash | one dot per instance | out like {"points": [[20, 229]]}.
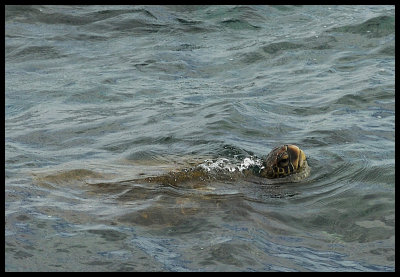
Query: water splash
{"points": [[224, 164]]}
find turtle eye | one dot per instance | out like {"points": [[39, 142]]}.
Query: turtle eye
{"points": [[284, 160]]}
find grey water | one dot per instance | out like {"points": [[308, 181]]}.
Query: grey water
{"points": [[96, 96]]}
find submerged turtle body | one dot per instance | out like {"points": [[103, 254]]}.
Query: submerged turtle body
{"points": [[286, 163]]}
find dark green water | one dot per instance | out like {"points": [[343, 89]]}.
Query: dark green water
{"points": [[98, 95]]}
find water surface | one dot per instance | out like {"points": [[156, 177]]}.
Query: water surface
{"points": [[99, 95]]}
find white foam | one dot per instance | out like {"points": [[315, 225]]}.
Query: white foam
{"points": [[231, 166]]}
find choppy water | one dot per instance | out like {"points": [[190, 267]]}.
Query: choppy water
{"points": [[98, 95]]}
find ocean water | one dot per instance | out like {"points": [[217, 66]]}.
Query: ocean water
{"points": [[99, 96]]}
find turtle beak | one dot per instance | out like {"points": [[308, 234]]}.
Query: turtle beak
{"points": [[302, 157], [297, 156]]}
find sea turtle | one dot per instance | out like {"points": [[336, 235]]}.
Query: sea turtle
{"points": [[285, 163], [185, 196]]}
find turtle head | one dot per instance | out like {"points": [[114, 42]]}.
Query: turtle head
{"points": [[283, 161]]}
